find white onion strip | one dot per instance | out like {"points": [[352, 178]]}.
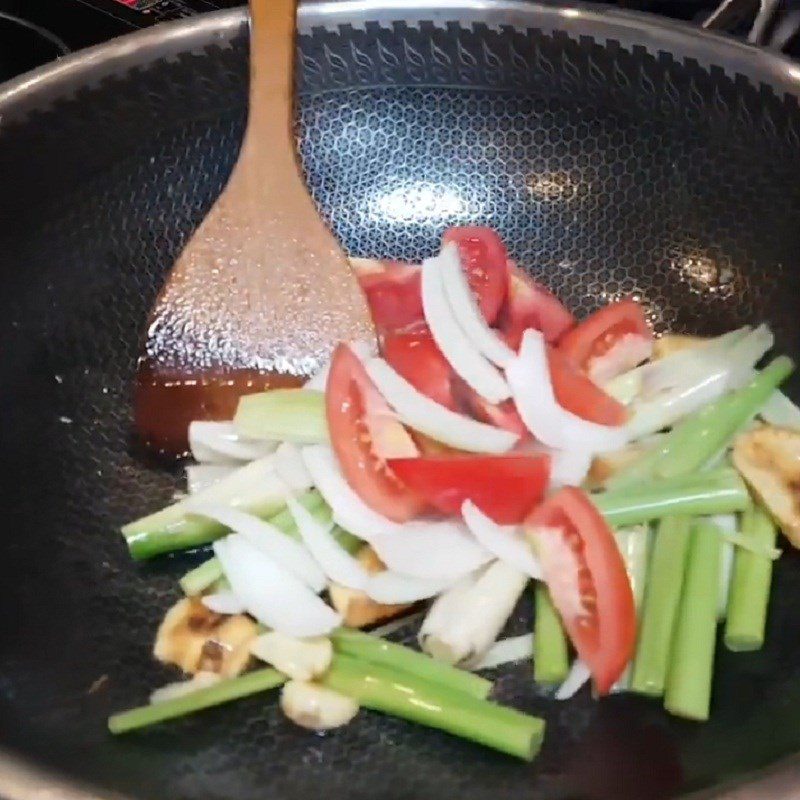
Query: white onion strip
{"points": [[202, 476], [428, 417], [505, 542], [577, 677], [569, 467], [506, 651], [287, 553], [337, 564], [431, 550], [349, 510], [529, 377], [219, 443], [465, 359], [466, 309], [290, 467], [271, 594], [223, 603], [390, 588]]}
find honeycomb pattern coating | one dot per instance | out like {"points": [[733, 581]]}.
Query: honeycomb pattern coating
{"points": [[607, 172]]}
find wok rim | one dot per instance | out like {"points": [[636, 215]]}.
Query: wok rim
{"points": [[21, 779]]}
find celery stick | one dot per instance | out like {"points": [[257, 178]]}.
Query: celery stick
{"points": [[750, 584], [223, 692], [284, 415], [634, 544], [197, 580], [662, 596], [151, 537], [550, 648], [402, 695], [367, 647], [719, 492], [688, 692], [693, 442]]}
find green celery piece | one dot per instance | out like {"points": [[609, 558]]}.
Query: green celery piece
{"points": [[550, 646], [662, 598], [284, 415], [719, 492], [407, 696], [750, 584], [223, 692], [696, 440], [688, 690], [366, 647]]}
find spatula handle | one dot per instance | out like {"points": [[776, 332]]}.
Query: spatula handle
{"points": [[272, 42]]}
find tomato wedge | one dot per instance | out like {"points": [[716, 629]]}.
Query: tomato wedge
{"points": [[483, 257], [393, 291], [531, 305], [505, 488], [418, 359], [611, 341], [364, 433], [575, 392], [586, 576]]}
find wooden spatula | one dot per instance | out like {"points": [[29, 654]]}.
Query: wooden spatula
{"points": [[262, 292]]}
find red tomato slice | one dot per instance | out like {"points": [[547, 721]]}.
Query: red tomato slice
{"points": [[530, 305], [417, 358], [580, 395], [505, 488], [361, 426], [611, 341], [503, 415], [483, 257], [586, 576], [393, 291]]}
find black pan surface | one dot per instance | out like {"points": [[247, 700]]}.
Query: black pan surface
{"points": [[610, 169]]}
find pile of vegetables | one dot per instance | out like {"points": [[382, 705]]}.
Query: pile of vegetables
{"points": [[494, 442]]}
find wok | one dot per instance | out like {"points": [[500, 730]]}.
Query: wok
{"points": [[618, 154]]}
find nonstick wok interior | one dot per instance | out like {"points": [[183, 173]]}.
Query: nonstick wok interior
{"points": [[608, 171]]}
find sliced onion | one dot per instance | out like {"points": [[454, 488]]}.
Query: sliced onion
{"points": [[271, 594], [223, 603], [465, 359], [529, 377], [349, 510], [389, 588], [337, 564], [466, 310], [174, 691], [201, 476], [578, 676], [431, 550], [285, 551], [290, 467], [506, 651], [428, 417], [505, 542], [219, 443], [569, 467], [781, 411]]}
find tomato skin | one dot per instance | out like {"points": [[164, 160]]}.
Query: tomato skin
{"points": [[393, 291], [505, 488], [348, 394], [597, 334], [416, 356], [531, 305], [581, 396], [483, 258], [603, 630]]}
